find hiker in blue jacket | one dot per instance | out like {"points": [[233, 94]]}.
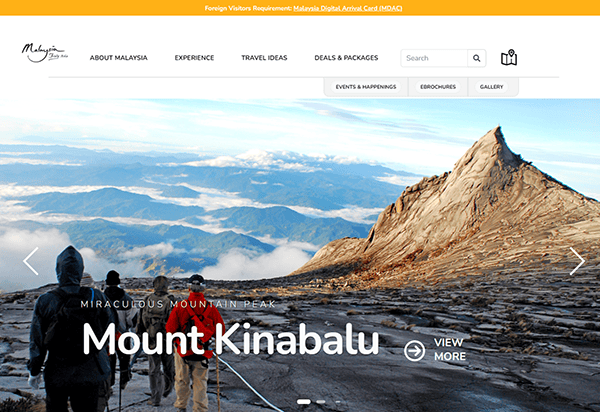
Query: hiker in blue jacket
{"points": [[57, 331]]}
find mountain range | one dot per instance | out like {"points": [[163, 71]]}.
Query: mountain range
{"points": [[178, 212]]}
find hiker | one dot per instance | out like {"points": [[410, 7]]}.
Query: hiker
{"points": [[154, 314], [194, 311], [125, 314], [57, 330]]}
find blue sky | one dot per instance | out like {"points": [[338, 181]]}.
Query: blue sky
{"points": [[422, 136]]}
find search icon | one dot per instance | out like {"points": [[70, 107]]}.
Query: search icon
{"points": [[476, 58]]}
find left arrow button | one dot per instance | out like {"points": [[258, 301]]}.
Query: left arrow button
{"points": [[27, 263]]}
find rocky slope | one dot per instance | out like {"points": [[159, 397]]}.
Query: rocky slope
{"points": [[528, 345], [493, 211]]}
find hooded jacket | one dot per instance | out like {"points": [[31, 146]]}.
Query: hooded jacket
{"points": [[96, 369]]}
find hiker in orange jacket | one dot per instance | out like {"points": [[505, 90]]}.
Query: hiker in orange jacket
{"points": [[194, 311]]}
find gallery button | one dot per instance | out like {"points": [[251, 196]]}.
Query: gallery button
{"points": [[505, 87], [492, 87], [438, 87]]}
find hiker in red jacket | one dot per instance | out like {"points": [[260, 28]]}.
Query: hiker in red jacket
{"points": [[194, 311]]}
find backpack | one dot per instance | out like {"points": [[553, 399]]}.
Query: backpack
{"points": [[196, 320], [115, 294], [64, 336], [155, 314]]}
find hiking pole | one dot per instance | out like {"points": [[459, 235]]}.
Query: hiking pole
{"points": [[136, 356], [218, 386], [120, 377]]}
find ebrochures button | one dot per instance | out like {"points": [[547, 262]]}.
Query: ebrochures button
{"points": [[491, 87], [437, 87]]}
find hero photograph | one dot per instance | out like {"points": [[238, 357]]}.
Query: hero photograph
{"points": [[299, 255]]}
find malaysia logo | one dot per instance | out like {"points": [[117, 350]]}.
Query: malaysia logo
{"points": [[39, 54]]}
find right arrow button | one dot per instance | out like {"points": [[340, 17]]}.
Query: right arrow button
{"points": [[414, 351], [580, 263]]}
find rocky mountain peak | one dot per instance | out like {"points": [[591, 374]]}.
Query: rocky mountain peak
{"points": [[488, 166], [491, 201], [487, 153]]}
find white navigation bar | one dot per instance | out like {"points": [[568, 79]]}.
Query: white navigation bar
{"points": [[182, 57]]}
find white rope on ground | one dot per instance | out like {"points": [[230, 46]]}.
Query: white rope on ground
{"points": [[251, 388], [134, 403], [218, 386]]}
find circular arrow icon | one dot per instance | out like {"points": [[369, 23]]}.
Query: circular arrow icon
{"points": [[414, 351]]}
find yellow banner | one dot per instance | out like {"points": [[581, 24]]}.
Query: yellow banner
{"points": [[300, 7]]}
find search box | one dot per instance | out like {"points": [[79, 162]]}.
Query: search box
{"points": [[443, 58]]}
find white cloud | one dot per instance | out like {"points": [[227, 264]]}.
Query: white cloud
{"points": [[257, 159], [14, 190], [343, 160], [220, 161], [11, 210], [279, 242], [297, 167], [158, 250], [208, 198], [24, 160], [276, 160], [241, 265], [352, 214], [257, 156], [98, 267], [399, 180], [24, 153]]}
